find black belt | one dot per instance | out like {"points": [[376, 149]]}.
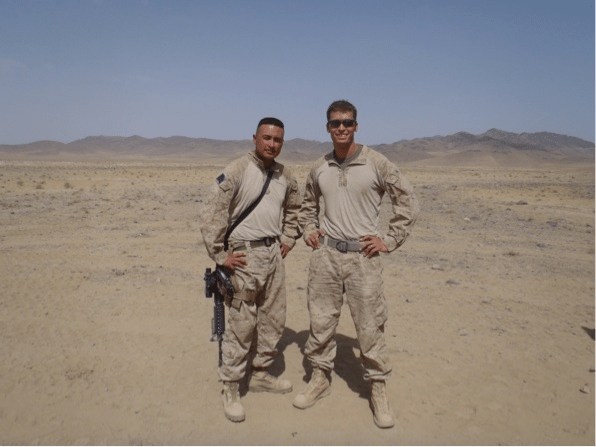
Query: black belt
{"points": [[339, 245], [267, 242]]}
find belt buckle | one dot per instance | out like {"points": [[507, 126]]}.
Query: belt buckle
{"points": [[268, 241], [342, 246]]}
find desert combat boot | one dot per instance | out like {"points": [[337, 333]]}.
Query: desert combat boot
{"points": [[233, 409], [317, 388], [262, 381], [379, 405]]}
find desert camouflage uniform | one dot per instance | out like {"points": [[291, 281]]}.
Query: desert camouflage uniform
{"points": [[259, 299], [352, 194]]}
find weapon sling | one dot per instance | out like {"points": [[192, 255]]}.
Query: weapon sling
{"points": [[248, 210]]}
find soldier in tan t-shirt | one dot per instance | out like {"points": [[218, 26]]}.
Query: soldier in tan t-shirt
{"points": [[346, 245], [256, 248]]}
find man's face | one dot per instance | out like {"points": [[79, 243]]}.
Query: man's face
{"points": [[268, 142], [342, 135]]}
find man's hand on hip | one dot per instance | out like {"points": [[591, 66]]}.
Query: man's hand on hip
{"points": [[372, 245], [285, 249], [235, 260], [313, 239]]}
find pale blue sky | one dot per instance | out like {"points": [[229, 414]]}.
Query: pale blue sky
{"points": [[212, 69]]}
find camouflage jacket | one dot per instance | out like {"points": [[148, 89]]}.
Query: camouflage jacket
{"points": [[235, 189], [353, 193]]}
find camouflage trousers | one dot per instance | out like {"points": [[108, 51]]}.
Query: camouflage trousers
{"points": [[332, 274], [258, 313]]}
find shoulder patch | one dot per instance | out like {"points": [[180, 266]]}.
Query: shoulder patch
{"points": [[220, 179]]}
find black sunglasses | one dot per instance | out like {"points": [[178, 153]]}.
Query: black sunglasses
{"points": [[337, 123]]}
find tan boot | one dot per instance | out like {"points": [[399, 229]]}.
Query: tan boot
{"points": [[233, 409], [263, 381], [317, 388], [379, 405]]}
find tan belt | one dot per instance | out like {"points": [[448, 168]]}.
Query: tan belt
{"points": [[267, 242], [339, 245]]}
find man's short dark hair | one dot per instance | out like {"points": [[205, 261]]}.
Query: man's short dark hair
{"points": [[272, 121], [341, 106]]}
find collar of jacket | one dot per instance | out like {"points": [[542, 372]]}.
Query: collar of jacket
{"points": [[275, 166], [360, 160]]}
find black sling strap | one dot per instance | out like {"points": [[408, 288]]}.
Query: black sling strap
{"points": [[248, 210]]}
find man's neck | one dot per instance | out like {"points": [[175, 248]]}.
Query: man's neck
{"points": [[343, 152], [266, 163]]}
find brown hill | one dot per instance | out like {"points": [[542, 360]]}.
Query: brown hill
{"points": [[492, 148]]}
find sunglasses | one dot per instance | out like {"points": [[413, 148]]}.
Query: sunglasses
{"points": [[337, 123]]}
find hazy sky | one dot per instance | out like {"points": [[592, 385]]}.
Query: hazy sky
{"points": [[413, 68]]}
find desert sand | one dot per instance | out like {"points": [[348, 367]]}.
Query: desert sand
{"points": [[105, 328]]}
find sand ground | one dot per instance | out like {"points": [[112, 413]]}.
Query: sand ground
{"points": [[105, 328]]}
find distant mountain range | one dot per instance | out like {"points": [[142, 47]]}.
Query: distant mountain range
{"points": [[493, 148]]}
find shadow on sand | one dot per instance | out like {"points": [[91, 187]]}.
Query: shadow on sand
{"points": [[347, 365], [589, 331]]}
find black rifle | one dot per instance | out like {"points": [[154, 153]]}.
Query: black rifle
{"points": [[218, 285]]}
